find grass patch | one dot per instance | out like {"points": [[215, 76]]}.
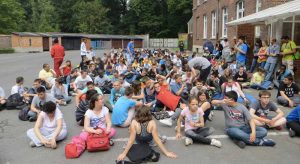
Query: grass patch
{"points": [[6, 50]]}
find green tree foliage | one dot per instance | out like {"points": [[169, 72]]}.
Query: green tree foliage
{"points": [[159, 18], [91, 17], [11, 16]]}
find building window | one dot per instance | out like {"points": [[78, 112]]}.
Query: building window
{"points": [[213, 25], [197, 27], [198, 2], [257, 9], [29, 42], [290, 28], [240, 8], [224, 20], [204, 26]]}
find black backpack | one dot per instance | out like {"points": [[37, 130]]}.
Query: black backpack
{"points": [[23, 114], [80, 111], [140, 153], [15, 101]]}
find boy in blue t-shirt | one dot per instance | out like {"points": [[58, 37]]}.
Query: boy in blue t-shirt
{"points": [[241, 48], [124, 109], [293, 122]]}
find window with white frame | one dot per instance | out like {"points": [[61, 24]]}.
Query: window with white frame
{"points": [[198, 2], [197, 27], [204, 26], [240, 8], [291, 28], [257, 9], [213, 25], [224, 21]]}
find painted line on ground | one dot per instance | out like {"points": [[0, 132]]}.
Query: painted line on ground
{"points": [[222, 136]]}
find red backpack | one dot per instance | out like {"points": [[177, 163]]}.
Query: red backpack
{"points": [[75, 148], [97, 142]]}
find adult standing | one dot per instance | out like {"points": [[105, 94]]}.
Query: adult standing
{"points": [[83, 50], [288, 49], [201, 64], [241, 48], [130, 51], [226, 51], [273, 52], [58, 54]]}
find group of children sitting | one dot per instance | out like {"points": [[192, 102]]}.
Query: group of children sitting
{"points": [[156, 83]]}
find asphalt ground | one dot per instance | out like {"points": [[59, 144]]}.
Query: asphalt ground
{"points": [[15, 149]]}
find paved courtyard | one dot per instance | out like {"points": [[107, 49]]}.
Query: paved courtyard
{"points": [[15, 149]]}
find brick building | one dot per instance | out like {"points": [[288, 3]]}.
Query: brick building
{"points": [[210, 19], [265, 19]]}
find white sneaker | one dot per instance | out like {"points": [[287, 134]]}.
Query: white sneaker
{"points": [[171, 113], [210, 116], [181, 126], [32, 144], [167, 121], [188, 141], [216, 143]]}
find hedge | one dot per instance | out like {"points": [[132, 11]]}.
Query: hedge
{"points": [[6, 50]]}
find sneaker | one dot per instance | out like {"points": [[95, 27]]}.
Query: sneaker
{"points": [[171, 113], [111, 142], [279, 127], [32, 144], [188, 141], [167, 121], [267, 142], [216, 143], [64, 103], [240, 144], [210, 116], [181, 126], [292, 133]]}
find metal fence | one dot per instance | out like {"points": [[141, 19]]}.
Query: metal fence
{"points": [[164, 42]]}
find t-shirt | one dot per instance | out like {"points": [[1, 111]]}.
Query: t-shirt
{"points": [[95, 88], [120, 111], [97, 120], [175, 87], [52, 125], [194, 117], [289, 91], [130, 45], [38, 103], [263, 111], [43, 74], [287, 48], [239, 56], [236, 116], [238, 75], [199, 62], [101, 81], [2, 93], [294, 115], [17, 89], [81, 83], [273, 49], [115, 95], [55, 91]]}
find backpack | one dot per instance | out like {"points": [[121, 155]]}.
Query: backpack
{"points": [[23, 114], [139, 153], [75, 148], [80, 111], [14, 101]]}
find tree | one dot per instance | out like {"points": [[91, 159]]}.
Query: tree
{"points": [[11, 16], [44, 17], [91, 17]]}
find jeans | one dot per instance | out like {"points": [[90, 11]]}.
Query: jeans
{"points": [[262, 65], [253, 65], [265, 85], [243, 134], [295, 126], [269, 68], [285, 102], [32, 114], [46, 134], [199, 135]]}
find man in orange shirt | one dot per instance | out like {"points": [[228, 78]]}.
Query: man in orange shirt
{"points": [[57, 53]]}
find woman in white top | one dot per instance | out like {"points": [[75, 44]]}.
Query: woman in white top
{"points": [[97, 118], [49, 127]]}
